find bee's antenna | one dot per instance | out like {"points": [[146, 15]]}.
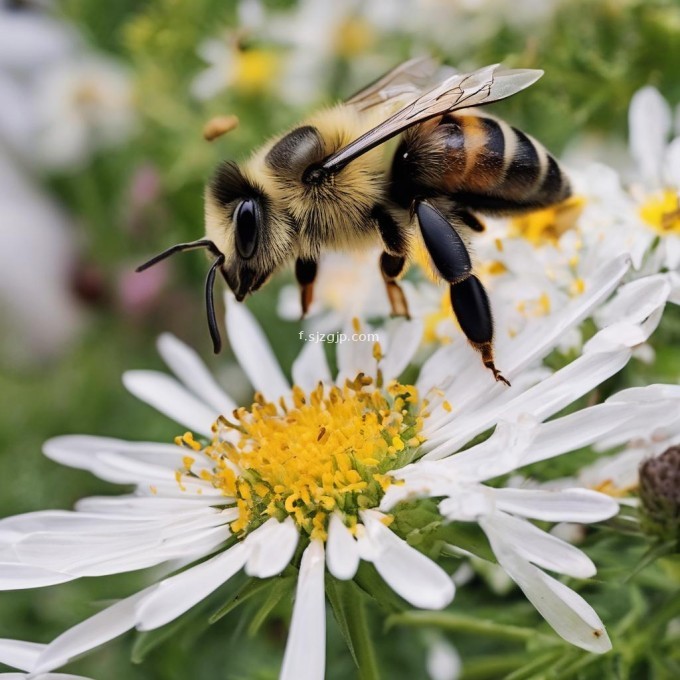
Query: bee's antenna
{"points": [[210, 304], [181, 247]]}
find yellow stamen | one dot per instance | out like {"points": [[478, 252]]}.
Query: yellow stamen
{"points": [[330, 451], [546, 226], [662, 212]]}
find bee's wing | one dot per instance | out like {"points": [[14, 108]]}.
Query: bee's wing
{"points": [[408, 79], [459, 91]]}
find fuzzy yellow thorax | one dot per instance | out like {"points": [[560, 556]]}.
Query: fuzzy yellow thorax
{"points": [[313, 454]]}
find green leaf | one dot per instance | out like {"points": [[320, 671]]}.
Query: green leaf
{"points": [[249, 589], [278, 590], [466, 536], [336, 593], [348, 603], [655, 551]]}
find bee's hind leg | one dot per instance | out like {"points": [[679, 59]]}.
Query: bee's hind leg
{"points": [[391, 266], [393, 259], [468, 298], [305, 273]]}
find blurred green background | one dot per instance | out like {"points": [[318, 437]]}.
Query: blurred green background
{"points": [[141, 191]]}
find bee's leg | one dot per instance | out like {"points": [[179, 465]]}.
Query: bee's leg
{"points": [[391, 266], [468, 297], [393, 260], [305, 273]]}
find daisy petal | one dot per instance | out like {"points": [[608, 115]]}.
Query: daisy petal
{"points": [[311, 367], [570, 505], [342, 552], [98, 629], [18, 576], [173, 596], [408, 572], [271, 547], [541, 548], [305, 655], [169, 397], [567, 612], [20, 654], [253, 351], [649, 122], [186, 364], [403, 343]]}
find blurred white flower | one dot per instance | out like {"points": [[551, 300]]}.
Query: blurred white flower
{"points": [[84, 104], [657, 190], [39, 310], [443, 660]]}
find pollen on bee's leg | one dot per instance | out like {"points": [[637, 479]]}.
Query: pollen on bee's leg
{"points": [[486, 350]]}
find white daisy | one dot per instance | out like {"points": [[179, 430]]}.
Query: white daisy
{"points": [[84, 103], [263, 480], [657, 189], [618, 474]]}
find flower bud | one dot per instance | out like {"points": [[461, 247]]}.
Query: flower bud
{"points": [[660, 495]]}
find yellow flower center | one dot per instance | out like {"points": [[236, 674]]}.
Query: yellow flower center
{"points": [[432, 321], [254, 70], [354, 36], [662, 212], [546, 226], [323, 452]]}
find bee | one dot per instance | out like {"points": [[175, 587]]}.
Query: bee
{"points": [[334, 182]]}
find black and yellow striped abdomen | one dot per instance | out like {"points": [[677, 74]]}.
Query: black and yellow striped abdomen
{"points": [[479, 161]]}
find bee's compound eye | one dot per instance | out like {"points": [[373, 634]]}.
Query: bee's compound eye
{"points": [[246, 221]]}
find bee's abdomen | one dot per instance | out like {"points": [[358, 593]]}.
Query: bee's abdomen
{"points": [[479, 161], [494, 167]]}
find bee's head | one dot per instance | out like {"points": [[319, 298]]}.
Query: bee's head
{"points": [[245, 223], [248, 237]]}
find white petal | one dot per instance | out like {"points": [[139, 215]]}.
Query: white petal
{"points": [[271, 547], [570, 505], [635, 301], [190, 369], [17, 576], [177, 594], [612, 422], [443, 661], [253, 351], [342, 552], [467, 505], [403, 343], [672, 163], [305, 655], [568, 613], [310, 368], [568, 384], [20, 654], [98, 629], [541, 548], [649, 122], [355, 357], [408, 572], [169, 397]]}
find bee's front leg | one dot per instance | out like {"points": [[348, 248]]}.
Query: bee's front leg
{"points": [[305, 273], [392, 260], [468, 298]]}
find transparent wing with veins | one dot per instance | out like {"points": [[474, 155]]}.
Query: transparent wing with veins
{"points": [[459, 91]]}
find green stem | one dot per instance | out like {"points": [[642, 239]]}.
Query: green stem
{"points": [[361, 637], [465, 624]]}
